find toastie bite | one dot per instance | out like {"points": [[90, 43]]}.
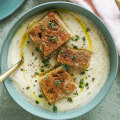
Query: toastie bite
{"points": [[49, 33], [76, 58], [57, 84]]}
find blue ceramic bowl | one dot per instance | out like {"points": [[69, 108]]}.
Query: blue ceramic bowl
{"points": [[100, 95]]}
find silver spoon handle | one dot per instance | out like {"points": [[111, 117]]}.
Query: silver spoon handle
{"points": [[10, 71]]}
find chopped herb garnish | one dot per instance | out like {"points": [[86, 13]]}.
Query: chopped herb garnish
{"points": [[43, 27], [42, 66], [81, 81], [35, 58], [76, 93], [75, 47], [22, 69], [64, 66], [73, 57], [32, 54], [86, 84], [80, 86], [83, 38], [67, 91], [42, 58], [63, 80], [82, 73], [49, 103], [62, 51], [37, 49], [40, 96], [54, 108], [70, 99], [36, 73], [87, 29], [58, 83], [75, 38], [47, 64], [72, 74], [52, 23], [27, 87], [47, 78], [53, 38], [93, 79], [42, 70], [74, 79], [66, 54], [40, 42], [37, 102]]}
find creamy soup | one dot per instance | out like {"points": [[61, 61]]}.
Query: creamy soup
{"points": [[26, 79]]}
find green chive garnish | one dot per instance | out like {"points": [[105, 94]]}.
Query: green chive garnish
{"points": [[53, 38], [40, 96], [67, 91], [81, 81], [47, 64], [64, 67], [37, 102], [43, 27], [87, 29], [82, 73], [52, 23], [73, 57], [27, 87], [36, 73], [35, 58], [75, 38], [70, 99], [86, 84], [32, 54], [37, 49], [42, 70], [54, 108], [40, 42], [83, 38], [47, 78], [80, 86], [75, 47], [62, 51], [58, 83], [49, 103], [93, 79]]}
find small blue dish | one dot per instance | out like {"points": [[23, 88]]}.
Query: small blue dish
{"points": [[7, 7], [100, 95]]}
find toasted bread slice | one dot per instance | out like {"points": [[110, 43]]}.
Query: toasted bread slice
{"points": [[50, 33], [57, 84], [76, 58]]}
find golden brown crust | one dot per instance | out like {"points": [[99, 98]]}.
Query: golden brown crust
{"points": [[76, 58], [47, 27], [57, 84]]}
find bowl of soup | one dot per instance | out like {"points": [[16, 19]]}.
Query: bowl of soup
{"points": [[70, 59]]}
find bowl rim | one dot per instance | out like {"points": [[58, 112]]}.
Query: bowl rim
{"points": [[70, 114]]}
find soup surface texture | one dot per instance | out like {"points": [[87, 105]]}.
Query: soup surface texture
{"points": [[88, 82]]}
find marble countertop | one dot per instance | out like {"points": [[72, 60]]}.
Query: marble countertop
{"points": [[109, 109]]}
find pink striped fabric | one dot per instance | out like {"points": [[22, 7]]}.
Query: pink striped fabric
{"points": [[109, 12]]}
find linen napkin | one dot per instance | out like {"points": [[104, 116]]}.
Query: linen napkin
{"points": [[109, 12]]}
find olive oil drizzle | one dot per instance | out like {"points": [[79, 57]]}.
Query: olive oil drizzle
{"points": [[23, 41]]}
